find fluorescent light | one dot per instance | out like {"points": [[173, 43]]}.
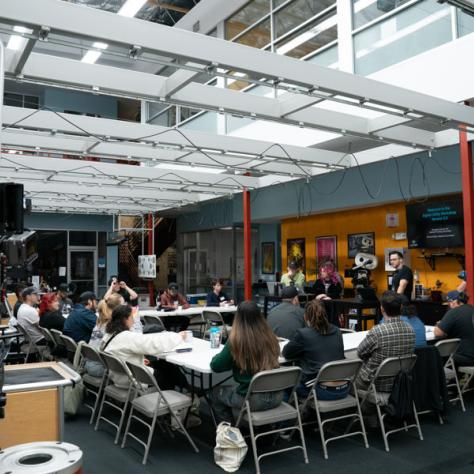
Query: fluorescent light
{"points": [[100, 45], [131, 7], [198, 169], [16, 42], [91, 56], [22, 29]]}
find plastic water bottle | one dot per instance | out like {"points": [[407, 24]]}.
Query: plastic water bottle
{"points": [[215, 337]]}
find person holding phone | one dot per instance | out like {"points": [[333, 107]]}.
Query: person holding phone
{"points": [[217, 297], [120, 287]]}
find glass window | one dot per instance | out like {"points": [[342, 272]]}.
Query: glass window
{"points": [[309, 39], [422, 27], [367, 10], [15, 100], [298, 12], [465, 23], [82, 238], [327, 58], [257, 37], [245, 17]]}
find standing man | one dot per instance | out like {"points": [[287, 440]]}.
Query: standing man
{"points": [[293, 277], [458, 322], [402, 279], [286, 318], [122, 289]]}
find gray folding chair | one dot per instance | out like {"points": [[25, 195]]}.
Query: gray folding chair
{"points": [[73, 355], [447, 348], [154, 320], [48, 336], [28, 342], [93, 385], [468, 371], [214, 317], [337, 370], [155, 405], [390, 367], [115, 397], [57, 338], [273, 381]]}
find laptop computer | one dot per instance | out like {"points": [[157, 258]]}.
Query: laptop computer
{"points": [[367, 294]]}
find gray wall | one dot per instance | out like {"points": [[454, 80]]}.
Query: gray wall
{"points": [[45, 221]]}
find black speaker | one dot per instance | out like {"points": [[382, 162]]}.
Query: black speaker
{"points": [[11, 208]]}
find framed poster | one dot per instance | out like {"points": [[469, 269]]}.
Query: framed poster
{"points": [[326, 251], [268, 257], [295, 252], [360, 243]]}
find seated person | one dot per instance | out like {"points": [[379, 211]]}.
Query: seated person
{"points": [[104, 310], [171, 298], [129, 295], [82, 320], [19, 300], [313, 346], [217, 297], [394, 338], [130, 346], [28, 315], [327, 285], [63, 298], [50, 314], [408, 314], [288, 316], [458, 322], [293, 277], [251, 348]]}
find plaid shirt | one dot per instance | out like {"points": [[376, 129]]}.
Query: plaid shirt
{"points": [[393, 338]]}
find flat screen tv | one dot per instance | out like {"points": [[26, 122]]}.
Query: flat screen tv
{"points": [[435, 224]]}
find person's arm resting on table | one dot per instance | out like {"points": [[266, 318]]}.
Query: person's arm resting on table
{"points": [[443, 327], [223, 361]]}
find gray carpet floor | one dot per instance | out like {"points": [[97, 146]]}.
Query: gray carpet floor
{"points": [[447, 448]]}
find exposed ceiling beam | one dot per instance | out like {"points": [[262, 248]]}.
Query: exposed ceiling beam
{"points": [[99, 25]]}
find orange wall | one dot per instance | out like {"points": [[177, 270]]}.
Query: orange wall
{"points": [[370, 219]]}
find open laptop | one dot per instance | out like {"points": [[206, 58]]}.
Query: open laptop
{"points": [[367, 294]]}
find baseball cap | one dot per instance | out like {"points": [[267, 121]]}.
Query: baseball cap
{"points": [[86, 296], [453, 295], [289, 292], [63, 287], [293, 265], [30, 290], [173, 286]]}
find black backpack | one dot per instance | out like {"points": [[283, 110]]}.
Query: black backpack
{"points": [[400, 402]]}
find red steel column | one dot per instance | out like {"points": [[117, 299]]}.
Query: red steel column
{"points": [[468, 204], [151, 236], [247, 246]]}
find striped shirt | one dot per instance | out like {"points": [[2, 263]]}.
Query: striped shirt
{"points": [[394, 338]]}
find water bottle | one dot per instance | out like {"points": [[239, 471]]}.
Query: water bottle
{"points": [[215, 337]]}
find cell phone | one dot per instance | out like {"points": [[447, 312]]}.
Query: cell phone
{"points": [[184, 349]]}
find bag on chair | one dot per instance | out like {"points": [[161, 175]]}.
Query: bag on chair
{"points": [[231, 447]]}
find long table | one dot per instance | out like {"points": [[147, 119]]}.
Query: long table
{"points": [[193, 311]]}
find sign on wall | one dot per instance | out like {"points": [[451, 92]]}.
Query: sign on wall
{"points": [[326, 251], [147, 266]]}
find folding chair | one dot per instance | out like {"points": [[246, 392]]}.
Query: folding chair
{"points": [[73, 355], [155, 405], [390, 367], [447, 348], [112, 393], [337, 370], [175, 323], [47, 352], [267, 381], [93, 385], [210, 317], [49, 337], [57, 338], [154, 320], [468, 371], [30, 346]]}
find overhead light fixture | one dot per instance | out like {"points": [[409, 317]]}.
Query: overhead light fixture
{"points": [[17, 42], [131, 7], [199, 169], [467, 6]]}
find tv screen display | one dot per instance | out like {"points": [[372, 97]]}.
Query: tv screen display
{"points": [[435, 224]]}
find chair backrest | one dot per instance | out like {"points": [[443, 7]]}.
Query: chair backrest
{"points": [[274, 380], [339, 370], [57, 337], [48, 336], [142, 375], [156, 320], [175, 323], [24, 333], [391, 366], [115, 364], [69, 343], [89, 353], [447, 347], [212, 317]]}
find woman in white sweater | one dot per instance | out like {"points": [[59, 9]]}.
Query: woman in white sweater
{"points": [[132, 346]]}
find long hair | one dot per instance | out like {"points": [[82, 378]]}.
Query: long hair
{"points": [[105, 308], [315, 316], [46, 302], [329, 268], [253, 345], [117, 323]]}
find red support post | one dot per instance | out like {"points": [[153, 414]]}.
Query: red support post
{"points": [[151, 289], [468, 205], [247, 246]]}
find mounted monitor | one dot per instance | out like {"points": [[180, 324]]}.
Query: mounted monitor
{"points": [[435, 224]]}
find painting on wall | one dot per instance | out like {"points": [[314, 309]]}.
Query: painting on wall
{"points": [[326, 250], [360, 243], [295, 252], [268, 257]]}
